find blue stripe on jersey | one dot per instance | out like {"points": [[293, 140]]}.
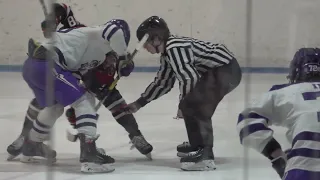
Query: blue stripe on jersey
{"points": [[111, 33], [253, 116], [252, 128], [306, 136], [301, 174], [311, 95], [279, 86], [304, 152], [90, 116], [62, 60]]}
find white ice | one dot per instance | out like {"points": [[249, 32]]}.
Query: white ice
{"points": [[157, 124]]}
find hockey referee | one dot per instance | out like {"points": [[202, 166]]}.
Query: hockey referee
{"points": [[206, 73]]}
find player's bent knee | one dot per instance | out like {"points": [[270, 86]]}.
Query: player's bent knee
{"points": [[52, 112], [83, 105]]}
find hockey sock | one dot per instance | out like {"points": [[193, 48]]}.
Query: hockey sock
{"points": [[129, 123], [86, 116], [31, 115], [46, 119]]}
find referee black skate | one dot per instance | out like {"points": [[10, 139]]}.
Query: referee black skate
{"points": [[206, 73]]}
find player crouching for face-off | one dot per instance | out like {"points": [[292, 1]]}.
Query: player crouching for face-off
{"points": [[66, 19], [98, 81], [206, 73], [92, 44], [295, 106]]}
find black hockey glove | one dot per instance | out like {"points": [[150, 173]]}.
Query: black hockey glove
{"points": [[279, 164], [277, 157]]}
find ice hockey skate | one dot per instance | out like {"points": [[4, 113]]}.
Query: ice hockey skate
{"points": [[201, 160], [15, 148], [141, 144], [92, 160], [37, 152]]}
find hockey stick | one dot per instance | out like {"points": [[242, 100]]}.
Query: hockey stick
{"points": [[73, 137], [44, 9], [114, 83], [111, 87]]}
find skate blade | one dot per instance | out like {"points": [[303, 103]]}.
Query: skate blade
{"points": [[37, 160], [96, 168], [182, 155], [205, 165], [11, 157]]}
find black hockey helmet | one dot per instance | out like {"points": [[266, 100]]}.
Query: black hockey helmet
{"points": [[155, 27], [305, 66]]}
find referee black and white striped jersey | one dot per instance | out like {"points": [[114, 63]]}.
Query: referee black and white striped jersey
{"points": [[185, 59]]}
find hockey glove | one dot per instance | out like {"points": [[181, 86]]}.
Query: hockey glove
{"points": [[279, 164], [135, 106], [125, 65], [132, 108]]}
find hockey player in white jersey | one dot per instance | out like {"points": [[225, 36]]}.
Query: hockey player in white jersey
{"points": [[65, 18], [295, 106], [96, 80], [73, 50]]}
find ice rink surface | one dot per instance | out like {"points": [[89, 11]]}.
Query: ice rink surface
{"points": [[156, 123]]}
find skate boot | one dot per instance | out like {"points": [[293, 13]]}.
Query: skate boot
{"points": [[200, 160], [14, 149], [184, 149], [92, 160], [37, 152], [141, 144]]}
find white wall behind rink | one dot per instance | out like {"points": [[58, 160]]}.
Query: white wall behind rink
{"points": [[279, 26]]}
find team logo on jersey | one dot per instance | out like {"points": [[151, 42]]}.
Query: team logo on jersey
{"points": [[90, 65]]}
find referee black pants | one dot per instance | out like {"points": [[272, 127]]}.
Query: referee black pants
{"points": [[198, 106]]}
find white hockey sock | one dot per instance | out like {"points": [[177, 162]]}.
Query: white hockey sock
{"points": [[86, 117], [46, 119]]}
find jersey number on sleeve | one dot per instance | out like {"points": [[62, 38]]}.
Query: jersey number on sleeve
{"points": [[307, 96]]}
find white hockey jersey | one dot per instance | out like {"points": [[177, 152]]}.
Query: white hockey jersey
{"points": [[85, 48], [295, 107]]}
